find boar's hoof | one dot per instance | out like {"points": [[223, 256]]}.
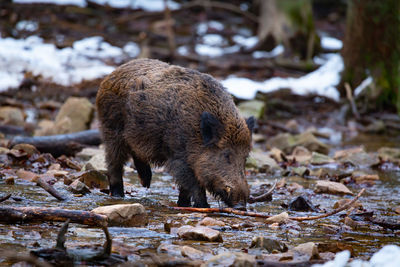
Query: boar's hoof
{"points": [[117, 191]]}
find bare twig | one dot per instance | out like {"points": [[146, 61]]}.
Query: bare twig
{"points": [[349, 95], [261, 215], [46, 186], [5, 198], [263, 197], [344, 207], [170, 29]]}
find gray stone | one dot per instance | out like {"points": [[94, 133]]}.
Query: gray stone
{"points": [[271, 245], [12, 116], [129, 215], [235, 259], [74, 115], [199, 233], [331, 188]]}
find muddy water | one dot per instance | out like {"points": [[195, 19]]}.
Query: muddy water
{"points": [[381, 198]]}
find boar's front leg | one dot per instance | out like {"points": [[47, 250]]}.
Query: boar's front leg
{"points": [[189, 188], [144, 171]]}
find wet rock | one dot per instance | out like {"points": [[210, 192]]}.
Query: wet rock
{"points": [[377, 126], [280, 218], [129, 215], [45, 127], [192, 253], [300, 171], [4, 150], [75, 115], [342, 202], [27, 175], [199, 233], [277, 154], [252, 108], [9, 181], [236, 259], [360, 159], [97, 162], [340, 154], [94, 179], [301, 203], [331, 188], [301, 155], [170, 249], [390, 154], [283, 142], [271, 245], [306, 251], [292, 125], [88, 152], [262, 161], [287, 142], [27, 148], [12, 116], [319, 159], [208, 221], [294, 187], [364, 178], [77, 187], [397, 209], [350, 222], [309, 141]]}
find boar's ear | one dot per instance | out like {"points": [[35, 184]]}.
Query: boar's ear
{"points": [[210, 128], [251, 122]]}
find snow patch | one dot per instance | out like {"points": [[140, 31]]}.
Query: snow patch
{"points": [[214, 51], [202, 27], [213, 39], [27, 25], [247, 42], [331, 43], [148, 5], [270, 54], [388, 256], [321, 81], [65, 66]]}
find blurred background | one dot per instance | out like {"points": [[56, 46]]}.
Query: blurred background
{"points": [[340, 58]]}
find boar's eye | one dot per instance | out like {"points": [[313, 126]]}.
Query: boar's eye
{"points": [[228, 156]]}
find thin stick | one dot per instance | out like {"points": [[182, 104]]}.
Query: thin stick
{"points": [[261, 215], [263, 197], [5, 197], [46, 186], [344, 207], [223, 210], [349, 95]]}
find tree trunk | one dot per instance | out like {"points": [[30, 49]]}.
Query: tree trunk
{"points": [[372, 48], [288, 22]]}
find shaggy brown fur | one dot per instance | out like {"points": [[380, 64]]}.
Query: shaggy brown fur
{"points": [[177, 117]]}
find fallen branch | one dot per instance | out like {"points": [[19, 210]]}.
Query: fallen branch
{"points": [[50, 189], [264, 197], [62, 144], [5, 198], [261, 215], [344, 207], [39, 214]]}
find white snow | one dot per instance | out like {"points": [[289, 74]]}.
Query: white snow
{"points": [[148, 5], [62, 66], [213, 39], [388, 256], [321, 81], [27, 25], [279, 49], [81, 3], [202, 27], [214, 51], [247, 42], [331, 43], [364, 84]]}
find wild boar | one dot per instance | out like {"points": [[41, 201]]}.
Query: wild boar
{"points": [[168, 115]]}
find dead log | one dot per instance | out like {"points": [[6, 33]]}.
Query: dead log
{"points": [[38, 214], [62, 144]]}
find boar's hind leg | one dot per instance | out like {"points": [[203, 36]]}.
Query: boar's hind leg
{"points": [[144, 171], [116, 156], [184, 198]]}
